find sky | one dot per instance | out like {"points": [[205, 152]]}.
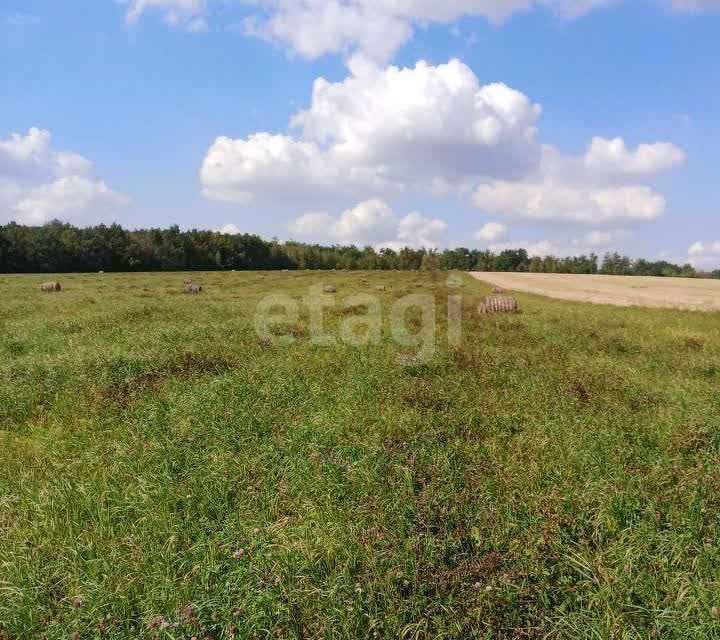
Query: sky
{"points": [[564, 126]]}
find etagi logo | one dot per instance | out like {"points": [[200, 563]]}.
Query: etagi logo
{"points": [[412, 321]]}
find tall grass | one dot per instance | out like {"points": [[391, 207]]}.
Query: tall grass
{"points": [[165, 474]]}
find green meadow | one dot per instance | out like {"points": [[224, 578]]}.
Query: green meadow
{"points": [[166, 473]]}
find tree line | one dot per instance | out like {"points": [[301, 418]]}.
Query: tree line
{"points": [[59, 247]]}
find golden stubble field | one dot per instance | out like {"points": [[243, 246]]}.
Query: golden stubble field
{"points": [[624, 291]]}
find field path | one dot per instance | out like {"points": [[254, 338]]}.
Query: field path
{"points": [[623, 291]]}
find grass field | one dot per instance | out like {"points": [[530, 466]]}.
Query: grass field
{"points": [[165, 474]]}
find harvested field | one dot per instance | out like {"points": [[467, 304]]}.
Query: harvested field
{"points": [[623, 291]]}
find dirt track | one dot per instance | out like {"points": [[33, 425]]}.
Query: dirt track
{"points": [[624, 291]]}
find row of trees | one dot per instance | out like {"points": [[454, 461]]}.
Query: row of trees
{"points": [[58, 247]]}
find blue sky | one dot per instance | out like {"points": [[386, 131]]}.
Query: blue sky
{"points": [[563, 125]]}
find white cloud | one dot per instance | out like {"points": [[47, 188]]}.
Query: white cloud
{"points": [[612, 157], [551, 202], [564, 245], [69, 196], [428, 128], [705, 249], [313, 225], [596, 189], [32, 155], [542, 248], [371, 222], [374, 29], [38, 183], [410, 118], [436, 130], [268, 167], [230, 230], [533, 247], [187, 13], [415, 230], [604, 239], [704, 255], [311, 29], [491, 232]]}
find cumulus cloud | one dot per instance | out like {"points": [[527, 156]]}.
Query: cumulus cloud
{"points": [[542, 248], [369, 222], [427, 128], [437, 130], [705, 254], [562, 245], [613, 158], [537, 248], [372, 222], [415, 230], [439, 117], [604, 238], [66, 197], [597, 188], [31, 155], [491, 232], [374, 29], [38, 183], [312, 29], [314, 225], [704, 248], [230, 230], [552, 202], [265, 167]]}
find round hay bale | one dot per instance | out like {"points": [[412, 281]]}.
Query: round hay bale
{"points": [[329, 289], [49, 287], [495, 304]]}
